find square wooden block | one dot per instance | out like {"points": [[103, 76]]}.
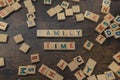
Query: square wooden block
{"points": [[117, 57], [88, 45], [100, 39], [105, 23], [43, 69], [51, 74], [9, 9], [76, 8], [58, 8], [101, 77], [22, 70], [47, 2], [18, 38], [100, 28], [65, 4], [31, 23], [31, 9], [113, 66], [2, 62], [61, 16], [9, 2], [3, 25], [76, 0], [91, 16], [35, 58], [72, 65], [31, 69], [114, 26], [106, 2], [51, 12], [109, 17], [93, 77], [69, 12], [105, 9], [24, 48], [117, 19], [3, 3], [79, 75], [108, 33], [117, 34], [16, 6], [91, 62], [62, 64], [31, 16], [79, 17], [3, 38], [79, 60], [3, 13], [58, 77], [109, 75], [89, 68]]}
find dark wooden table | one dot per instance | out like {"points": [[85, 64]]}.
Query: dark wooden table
{"points": [[17, 24]]}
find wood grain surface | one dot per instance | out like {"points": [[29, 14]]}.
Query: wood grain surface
{"points": [[17, 24]]}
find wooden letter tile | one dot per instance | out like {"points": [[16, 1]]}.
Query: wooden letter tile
{"points": [[101, 77], [62, 64], [105, 9], [76, 0], [58, 77], [72, 65], [93, 77], [61, 16], [51, 74], [100, 28], [88, 45], [18, 38], [114, 67], [58, 8], [117, 34], [16, 6], [9, 2], [114, 26], [106, 2], [79, 60], [2, 3], [47, 2], [79, 17], [65, 4], [117, 57], [31, 16], [2, 62], [91, 16], [51, 12], [43, 69], [31, 23], [22, 70], [35, 58], [109, 17], [79, 75], [69, 12], [76, 8], [108, 33], [109, 75], [100, 39], [3, 25], [117, 19], [31, 69], [24, 48], [90, 65], [3, 38]]}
